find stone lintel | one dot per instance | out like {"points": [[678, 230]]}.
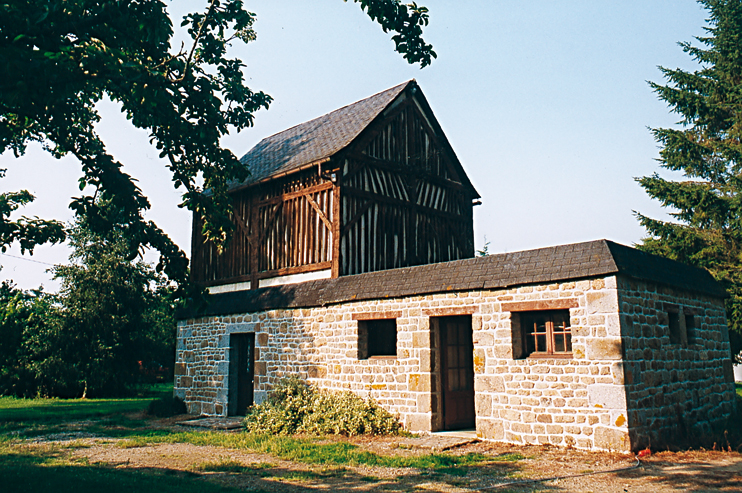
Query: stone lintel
{"points": [[555, 304]]}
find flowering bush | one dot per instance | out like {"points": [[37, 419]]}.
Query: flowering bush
{"points": [[296, 407]]}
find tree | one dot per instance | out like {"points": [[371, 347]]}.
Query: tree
{"points": [[115, 313], [111, 314], [186, 99], [29, 232], [25, 318], [707, 149]]}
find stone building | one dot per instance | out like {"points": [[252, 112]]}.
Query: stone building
{"points": [[593, 345]]}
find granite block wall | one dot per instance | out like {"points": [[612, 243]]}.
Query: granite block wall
{"points": [[591, 400], [680, 385]]}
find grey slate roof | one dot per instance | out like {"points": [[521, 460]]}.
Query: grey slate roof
{"points": [[316, 139], [558, 263]]}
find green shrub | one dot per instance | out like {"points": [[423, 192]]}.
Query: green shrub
{"points": [[295, 407], [166, 406]]}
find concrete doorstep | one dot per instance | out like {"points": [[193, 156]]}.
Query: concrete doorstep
{"points": [[220, 423], [441, 440]]}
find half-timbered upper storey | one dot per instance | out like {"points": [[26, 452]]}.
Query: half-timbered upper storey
{"points": [[371, 186]]}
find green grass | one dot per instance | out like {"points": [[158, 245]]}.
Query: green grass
{"points": [[33, 417], [34, 410], [49, 467], [307, 451], [738, 387], [229, 465]]}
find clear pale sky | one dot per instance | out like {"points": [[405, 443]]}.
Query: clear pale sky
{"points": [[545, 103]]}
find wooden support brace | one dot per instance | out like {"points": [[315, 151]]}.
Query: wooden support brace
{"points": [[241, 225], [319, 212]]}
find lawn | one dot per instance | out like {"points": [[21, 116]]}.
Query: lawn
{"points": [[13, 409], [28, 418], [50, 471], [29, 462], [25, 469], [90, 445]]}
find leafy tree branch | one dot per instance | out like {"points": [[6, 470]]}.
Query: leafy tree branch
{"points": [[187, 100]]}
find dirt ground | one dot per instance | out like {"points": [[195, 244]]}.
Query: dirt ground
{"points": [[563, 469]]}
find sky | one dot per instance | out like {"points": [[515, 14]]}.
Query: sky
{"points": [[545, 103]]}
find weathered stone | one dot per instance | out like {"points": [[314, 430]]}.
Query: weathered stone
{"points": [[607, 396], [424, 403], [601, 349], [611, 439], [602, 302], [419, 382], [479, 360], [418, 422], [515, 399], [483, 404], [420, 339], [490, 429], [488, 384]]}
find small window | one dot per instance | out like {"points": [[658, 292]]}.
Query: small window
{"points": [[546, 332], [377, 338], [690, 329], [674, 324]]}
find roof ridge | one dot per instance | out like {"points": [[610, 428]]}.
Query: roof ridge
{"points": [[315, 140], [331, 112]]}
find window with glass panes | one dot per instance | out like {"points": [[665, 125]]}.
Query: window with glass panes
{"points": [[546, 332]]}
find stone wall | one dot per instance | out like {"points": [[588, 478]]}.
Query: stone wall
{"points": [[679, 389], [576, 402], [579, 401]]}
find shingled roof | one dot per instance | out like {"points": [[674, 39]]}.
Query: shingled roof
{"points": [[315, 140], [544, 265]]}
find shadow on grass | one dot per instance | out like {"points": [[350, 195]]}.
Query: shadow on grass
{"points": [[469, 470], [31, 473], [23, 472]]}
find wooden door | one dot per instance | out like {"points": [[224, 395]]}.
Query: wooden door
{"points": [[241, 373], [457, 371]]}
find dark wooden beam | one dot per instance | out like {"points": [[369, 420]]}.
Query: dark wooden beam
{"points": [[292, 195], [396, 168], [336, 228], [319, 212], [409, 205], [241, 225], [357, 216]]}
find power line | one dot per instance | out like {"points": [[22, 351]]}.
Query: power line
{"points": [[29, 259]]}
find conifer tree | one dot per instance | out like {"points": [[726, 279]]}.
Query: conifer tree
{"points": [[707, 149]]}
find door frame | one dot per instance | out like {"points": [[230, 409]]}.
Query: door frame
{"points": [[468, 409], [241, 378]]}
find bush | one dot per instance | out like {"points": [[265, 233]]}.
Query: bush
{"points": [[165, 407], [296, 407]]}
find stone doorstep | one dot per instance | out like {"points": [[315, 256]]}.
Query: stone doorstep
{"points": [[218, 423], [440, 441]]}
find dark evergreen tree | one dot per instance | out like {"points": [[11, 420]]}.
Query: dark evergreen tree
{"points": [[707, 149]]}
